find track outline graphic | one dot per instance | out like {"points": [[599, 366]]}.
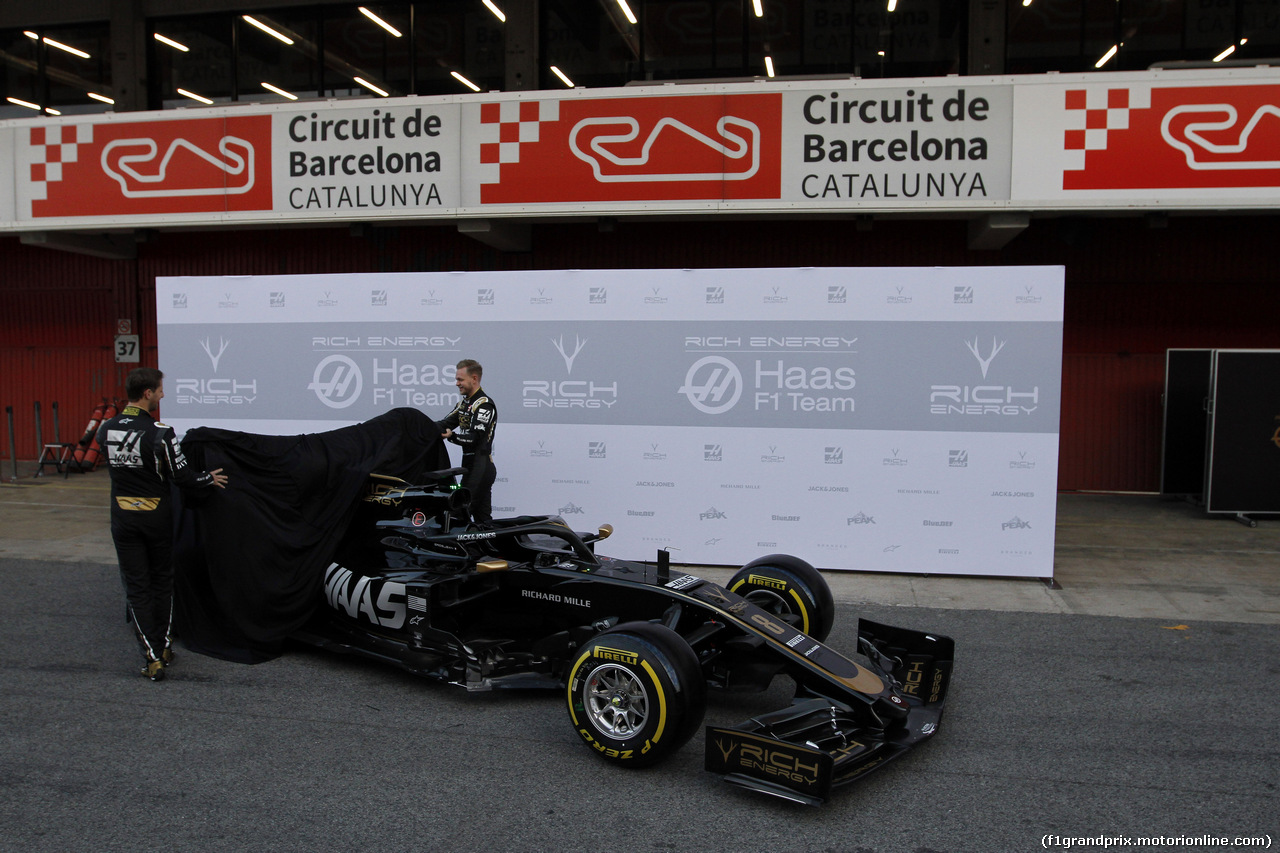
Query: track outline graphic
{"points": [[1193, 130], [236, 163], [741, 148]]}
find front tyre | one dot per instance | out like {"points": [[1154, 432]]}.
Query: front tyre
{"points": [[789, 588], [636, 693]]}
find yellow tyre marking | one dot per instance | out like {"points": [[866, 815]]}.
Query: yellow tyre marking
{"points": [[662, 696], [662, 701], [804, 611]]}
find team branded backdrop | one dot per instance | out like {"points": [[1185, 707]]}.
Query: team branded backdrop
{"points": [[1184, 139], [900, 420]]}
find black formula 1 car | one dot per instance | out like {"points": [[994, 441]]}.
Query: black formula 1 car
{"points": [[528, 603]]}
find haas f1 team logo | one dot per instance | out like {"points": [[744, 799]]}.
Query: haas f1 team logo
{"points": [[620, 149], [201, 165], [1148, 137]]}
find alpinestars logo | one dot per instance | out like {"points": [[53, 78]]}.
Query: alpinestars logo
{"points": [[1172, 137], [614, 149]]}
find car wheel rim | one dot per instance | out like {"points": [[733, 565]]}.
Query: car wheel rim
{"points": [[616, 701]]}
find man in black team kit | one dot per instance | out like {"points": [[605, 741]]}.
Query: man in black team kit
{"points": [[143, 455], [471, 425]]}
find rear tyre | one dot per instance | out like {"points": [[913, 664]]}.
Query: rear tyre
{"points": [[636, 693], [787, 586]]}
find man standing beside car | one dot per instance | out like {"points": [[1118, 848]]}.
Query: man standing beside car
{"points": [[143, 456], [471, 426]]}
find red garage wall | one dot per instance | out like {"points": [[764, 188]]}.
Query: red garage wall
{"points": [[1132, 292]]}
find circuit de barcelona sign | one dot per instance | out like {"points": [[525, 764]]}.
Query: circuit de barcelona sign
{"points": [[1156, 140], [892, 419]]}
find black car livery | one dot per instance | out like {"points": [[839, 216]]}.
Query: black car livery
{"points": [[633, 647]]}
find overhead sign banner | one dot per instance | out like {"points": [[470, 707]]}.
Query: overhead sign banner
{"points": [[876, 419], [367, 160], [978, 144], [696, 147], [1174, 141], [149, 168]]}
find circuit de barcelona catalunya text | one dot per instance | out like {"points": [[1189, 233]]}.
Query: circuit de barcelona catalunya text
{"points": [[633, 647]]}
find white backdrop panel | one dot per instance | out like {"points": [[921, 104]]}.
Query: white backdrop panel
{"points": [[874, 419]]}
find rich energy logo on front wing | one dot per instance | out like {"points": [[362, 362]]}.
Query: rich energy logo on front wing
{"points": [[807, 769], [985, 398]]}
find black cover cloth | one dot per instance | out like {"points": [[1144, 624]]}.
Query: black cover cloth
{"points": [[249, 560]]}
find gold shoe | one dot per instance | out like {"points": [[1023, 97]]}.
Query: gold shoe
{"points": [[154, 670]]}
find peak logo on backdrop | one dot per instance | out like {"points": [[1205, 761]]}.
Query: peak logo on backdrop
{"points": [[617, 149], [201, 165], [1148, 137]]}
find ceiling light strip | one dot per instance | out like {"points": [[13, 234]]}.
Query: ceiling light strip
{"points": [[364, 11], [249, 19], [193, 96], [365, 83], [176, 45]]}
